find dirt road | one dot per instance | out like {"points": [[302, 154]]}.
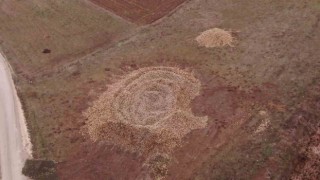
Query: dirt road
{"points": [[15, 145]]}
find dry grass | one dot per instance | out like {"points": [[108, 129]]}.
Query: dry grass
{"points": [[69, 29], [154, 100], [215, 38]]}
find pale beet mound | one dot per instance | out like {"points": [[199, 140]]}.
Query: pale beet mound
{"points": [[215, 38]]}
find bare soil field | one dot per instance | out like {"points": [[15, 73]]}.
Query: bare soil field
{"points": [[260, 97], [139, 11]]}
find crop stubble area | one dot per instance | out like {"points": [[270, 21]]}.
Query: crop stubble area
{"points": [[255, 106]]}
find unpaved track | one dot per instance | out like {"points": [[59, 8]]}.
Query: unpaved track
{"points": [[15, 145]]}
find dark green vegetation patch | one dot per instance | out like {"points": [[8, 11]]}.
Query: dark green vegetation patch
{"points": [[40, 169]]}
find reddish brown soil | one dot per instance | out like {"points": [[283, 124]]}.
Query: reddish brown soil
{"points": [[308, 161], [228, 109], [98, 161], [139, 11], [201, 154]]}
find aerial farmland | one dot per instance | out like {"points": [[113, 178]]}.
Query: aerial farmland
{"points": [[160, 89]]}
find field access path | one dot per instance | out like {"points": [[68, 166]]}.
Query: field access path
{"points": [[15, 146]]}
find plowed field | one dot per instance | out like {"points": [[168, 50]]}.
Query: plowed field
{"points": [[139, 11]]}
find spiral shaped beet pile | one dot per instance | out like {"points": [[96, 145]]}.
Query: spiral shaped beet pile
{"points": [[156, 99]]}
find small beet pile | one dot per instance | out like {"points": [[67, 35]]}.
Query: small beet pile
{"points": [[215, 38]]}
